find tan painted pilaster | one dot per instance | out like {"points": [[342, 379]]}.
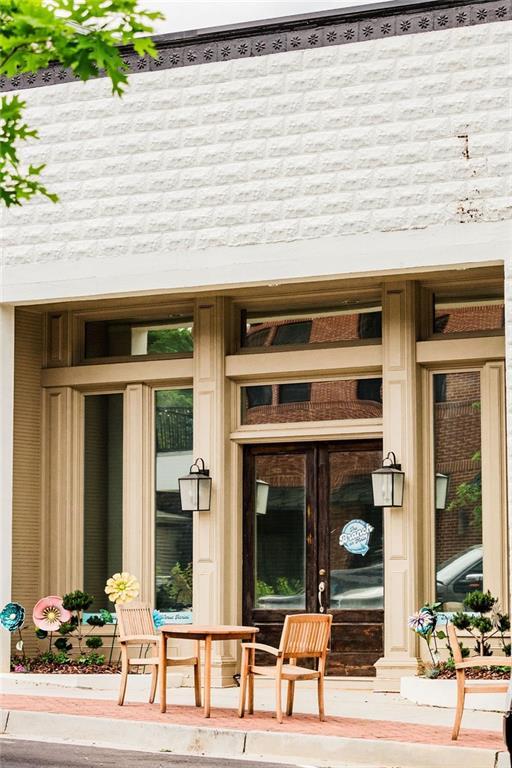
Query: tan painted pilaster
{"points": [[400, 416], [138, 482], [6, 469], [62, 502], [494, 481], [214, 562]]}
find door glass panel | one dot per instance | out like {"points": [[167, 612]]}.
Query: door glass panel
{"points": [[103, 493], [458, 486], [279, 509], [173, 532], [356, 532]]}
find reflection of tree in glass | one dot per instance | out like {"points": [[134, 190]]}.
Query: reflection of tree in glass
{"points": [[281, 586], [468, 495], [170, 341], [176, 592], [178, 398]]}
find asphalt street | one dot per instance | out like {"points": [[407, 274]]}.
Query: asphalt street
{"points": [[15, 753]]}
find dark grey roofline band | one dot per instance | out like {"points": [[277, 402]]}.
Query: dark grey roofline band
{"points": [[292, 33]]}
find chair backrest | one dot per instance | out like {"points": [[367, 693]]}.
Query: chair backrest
{"points": [[305, 635], [454, 643], [134, 619]]}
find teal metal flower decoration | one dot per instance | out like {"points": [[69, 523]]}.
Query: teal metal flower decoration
{"points": [[158, 619], [423, 622], [12, 616]]}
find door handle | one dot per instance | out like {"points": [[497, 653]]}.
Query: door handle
{"points": [[321, 590]]}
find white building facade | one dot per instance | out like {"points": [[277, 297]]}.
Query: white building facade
{"points": [[285, 251]]}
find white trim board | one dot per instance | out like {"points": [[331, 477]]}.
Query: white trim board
{"points": [[380, 253]]}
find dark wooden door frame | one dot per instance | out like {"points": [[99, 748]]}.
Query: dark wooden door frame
{"points": [[317, 552]]}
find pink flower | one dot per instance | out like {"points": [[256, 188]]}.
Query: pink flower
{"points": [[49, 613], [19, 668]]}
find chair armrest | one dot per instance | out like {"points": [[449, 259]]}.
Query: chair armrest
{"points": [[485, 661], [263, 647], [138, 639]]}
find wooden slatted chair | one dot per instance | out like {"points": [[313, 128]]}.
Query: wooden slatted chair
{"points": [[135, 622], [304, 636], [461, 664]]}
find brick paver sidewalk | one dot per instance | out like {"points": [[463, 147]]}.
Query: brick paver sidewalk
{"points": [[355, 728]]}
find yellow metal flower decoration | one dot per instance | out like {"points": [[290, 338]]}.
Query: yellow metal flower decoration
{"points": [[122, 588]]}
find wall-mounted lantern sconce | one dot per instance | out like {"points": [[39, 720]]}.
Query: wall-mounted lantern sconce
{"points": [[262, 489], [196, 488], [388, 483], [441, 490]]}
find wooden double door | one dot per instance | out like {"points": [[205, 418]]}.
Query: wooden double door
{"points": [[314, 542]]}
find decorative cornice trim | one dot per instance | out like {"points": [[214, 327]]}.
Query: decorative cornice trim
{"points": [[292, 33]]}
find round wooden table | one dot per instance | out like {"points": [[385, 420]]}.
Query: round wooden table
{"points": [[207, 633]]}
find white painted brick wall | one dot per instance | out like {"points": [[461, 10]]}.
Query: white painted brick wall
{"points": [[330, 142]]}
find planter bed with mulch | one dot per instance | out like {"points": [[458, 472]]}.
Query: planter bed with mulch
{"points": [[73, 667]]}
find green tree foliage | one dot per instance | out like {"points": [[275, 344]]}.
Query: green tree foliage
{"points": [[170, 341], [177, 398], [176, 592], [83, 35]]}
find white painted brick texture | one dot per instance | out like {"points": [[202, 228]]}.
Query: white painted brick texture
{"points": [[331, 142]]}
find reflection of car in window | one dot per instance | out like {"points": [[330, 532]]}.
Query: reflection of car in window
{"points": [[457, 576]]}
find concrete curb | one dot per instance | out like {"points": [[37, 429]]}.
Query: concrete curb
{"points": [[335, 751]]}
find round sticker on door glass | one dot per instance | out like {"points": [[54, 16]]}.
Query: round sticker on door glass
{"points": [[355, 537]]}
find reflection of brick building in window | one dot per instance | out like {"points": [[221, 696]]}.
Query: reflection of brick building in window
{"points": [[315, 330], [457, 454], [315, 401], [468, 318]]}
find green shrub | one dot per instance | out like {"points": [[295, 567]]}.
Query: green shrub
{"points": [[94, 642], [77, 601], [479, 602]]}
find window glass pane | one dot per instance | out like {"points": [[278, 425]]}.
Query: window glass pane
{"points": [[136, 337], [103, 494], [305, 327], [280, 501], [294, 393], [356, 576], [292, 333], [173, 534], [312, 401], [258, 396], [257, 338], [458, 480], [468, 315]]}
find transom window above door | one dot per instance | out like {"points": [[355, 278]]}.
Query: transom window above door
{"points": [[312, 401]]}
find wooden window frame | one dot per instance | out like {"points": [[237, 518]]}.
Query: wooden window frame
{"points": [[493, 470]]}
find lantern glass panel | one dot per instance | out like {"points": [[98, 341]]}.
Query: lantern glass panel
{"points": [[441, 490], [204, 493], [398, 490], [262, 489], [382, 489], [189, 493]]}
